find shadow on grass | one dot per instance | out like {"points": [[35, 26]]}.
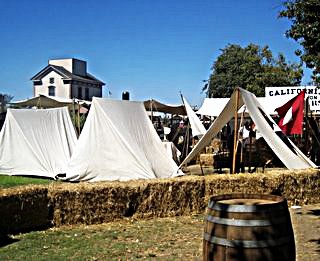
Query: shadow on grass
{"points": [[6, 240]]}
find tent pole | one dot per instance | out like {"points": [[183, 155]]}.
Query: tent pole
{"points": [[78, 118], [241, 126], [187, 139], [74, 114], [200, 163], [235, 142], [152, 111], [306, 119]]}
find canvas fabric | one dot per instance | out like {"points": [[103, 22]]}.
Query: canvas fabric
{"points": [[197, 127], [37, 142], [119, 142]]}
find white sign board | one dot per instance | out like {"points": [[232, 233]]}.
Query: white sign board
{"points": [[311, 91]]}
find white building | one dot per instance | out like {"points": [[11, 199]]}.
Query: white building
{"points": [[67, 78]]}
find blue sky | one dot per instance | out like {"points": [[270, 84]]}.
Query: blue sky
{"points": [[153, 49]]}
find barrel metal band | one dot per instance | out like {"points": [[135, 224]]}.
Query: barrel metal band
{"points": [[245, 222], [243, 208], [246, 243]]}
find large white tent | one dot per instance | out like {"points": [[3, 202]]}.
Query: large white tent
{"points": [[119, 142], [37, 142], [286, 151]]}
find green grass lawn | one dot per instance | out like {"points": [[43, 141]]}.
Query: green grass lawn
{"points": [[11, 181], [177, 238]]}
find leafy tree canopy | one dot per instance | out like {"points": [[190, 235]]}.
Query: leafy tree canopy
{"points": [[252, 68], [305, 29], [4, 100]]}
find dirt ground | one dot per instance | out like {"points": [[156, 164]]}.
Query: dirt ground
{"points": [[306, 226]]}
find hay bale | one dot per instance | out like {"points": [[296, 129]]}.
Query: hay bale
{"points": [[89, 203], [23, 209], [92, 203], [298, 187], [206, 159], [172, 197]]}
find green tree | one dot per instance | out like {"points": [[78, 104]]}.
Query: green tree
{"points": [[305, 29], [4, 100], [252, 68]]}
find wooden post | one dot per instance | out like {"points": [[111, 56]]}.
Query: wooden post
{"points": [[235, 134]]}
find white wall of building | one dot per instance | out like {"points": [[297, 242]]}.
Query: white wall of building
{"points": [[61, 89]]}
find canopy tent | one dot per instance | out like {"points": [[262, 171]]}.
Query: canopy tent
{"points": [[37, 142], [43, 101], [286, 151], [153, 105], [214, 106], [119, 142]]}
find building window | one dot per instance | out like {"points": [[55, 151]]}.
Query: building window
{"points": [[52, 91], [51, 80], [86, 94], [79, 93]]}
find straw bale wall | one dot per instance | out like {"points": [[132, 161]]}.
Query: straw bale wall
{"points": [[34, 207], [106, 201], [298, 187]]}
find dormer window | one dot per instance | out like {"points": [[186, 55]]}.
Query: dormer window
{"points": [[51, 80], [52, 91]]}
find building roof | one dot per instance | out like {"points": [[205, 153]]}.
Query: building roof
{"points": [[66, 75]]}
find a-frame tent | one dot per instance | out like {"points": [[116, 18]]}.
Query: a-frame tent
{"points": [[119, 142], [36, 142], [282, 146]]}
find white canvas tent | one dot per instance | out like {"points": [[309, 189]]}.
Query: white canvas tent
{"points": [[286, 151], [214, 106], [37, 142], [197, 127], [119, 142]]}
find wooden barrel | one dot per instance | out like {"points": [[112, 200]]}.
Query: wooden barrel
{"points": [[248, 227]]}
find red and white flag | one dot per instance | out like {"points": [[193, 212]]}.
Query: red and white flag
{"points": [[291, 115]]}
